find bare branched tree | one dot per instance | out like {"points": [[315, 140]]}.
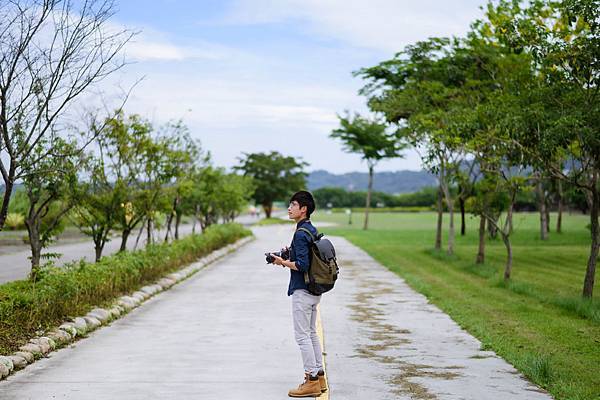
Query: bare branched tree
{"points": [[51, 52]]}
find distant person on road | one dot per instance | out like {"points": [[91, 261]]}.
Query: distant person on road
{"points": [[304, 304]]}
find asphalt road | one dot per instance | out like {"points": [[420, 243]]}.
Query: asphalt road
{"points": [[16, 265]]}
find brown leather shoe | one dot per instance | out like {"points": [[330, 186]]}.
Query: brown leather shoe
{"points": [[322, 383], [307, 388]]}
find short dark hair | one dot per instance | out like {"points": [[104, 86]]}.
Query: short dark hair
{"points": [[304, 199]]}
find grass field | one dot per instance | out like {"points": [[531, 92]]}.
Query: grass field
{"points": [[538, 322], [273, 221]]}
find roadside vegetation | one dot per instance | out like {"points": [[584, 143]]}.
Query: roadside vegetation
{"points": [[59, 293]]}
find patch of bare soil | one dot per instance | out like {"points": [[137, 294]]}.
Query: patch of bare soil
{"points": [[368, 309]]}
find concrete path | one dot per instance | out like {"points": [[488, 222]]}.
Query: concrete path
{"points": [[385, 341], [226, 333]]}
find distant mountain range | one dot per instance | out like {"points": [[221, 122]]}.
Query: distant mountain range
{"points": [[388, 182]]}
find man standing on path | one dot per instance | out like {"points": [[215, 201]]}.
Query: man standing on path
{"points": [[304, 304]]}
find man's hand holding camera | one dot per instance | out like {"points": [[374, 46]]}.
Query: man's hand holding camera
{"points": [[278, 260], [281, 258]]}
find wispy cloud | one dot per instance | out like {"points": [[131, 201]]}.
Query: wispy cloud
{"points": [[152, 45], [386, 25]]}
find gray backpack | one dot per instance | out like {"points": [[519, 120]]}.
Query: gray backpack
{"points": [[323, 270]]}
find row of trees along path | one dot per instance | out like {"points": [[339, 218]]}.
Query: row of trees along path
{"points": [[511, 107]]}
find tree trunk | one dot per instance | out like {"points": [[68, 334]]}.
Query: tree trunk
{"points": [[588, 283], [149, 231], [169, 221], [506, 239], [5, 202], [542, 208], [124, 236], [509, 256], [35, 245], [98, 247], [492, 228], [560, 206], [368, 202], [196, 219], [177, 223], [268, 209], [463, 228], [481, 252], [547, 218], [451, 228], [450, 204], [440, 210]]}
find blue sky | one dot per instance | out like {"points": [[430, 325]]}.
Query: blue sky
{"points": [[261, 75]]}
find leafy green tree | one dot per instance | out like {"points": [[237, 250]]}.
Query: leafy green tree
{"points": [[202, 200], [97, 200], [122, 146], [235, 193], [186, 156], [276, 177], [370, 139], [47, 187], [564, 124], [421, 90]]}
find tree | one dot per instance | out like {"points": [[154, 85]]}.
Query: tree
{"points": [[47, 187], [276, 177], [235, 193], [370, 139], [563, 40], [97, 202], [51, 52], [122, 147], [203, 198], [422, 91], [186, 157]]}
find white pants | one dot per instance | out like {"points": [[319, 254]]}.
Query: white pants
{"points": [[304, 313]]}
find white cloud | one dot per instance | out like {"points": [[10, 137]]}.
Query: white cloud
{"points": [[147, 50], [386, 25], [152, 45]]}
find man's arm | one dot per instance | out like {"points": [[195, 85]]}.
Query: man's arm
{"points": [[285, 263], [301, 250]]}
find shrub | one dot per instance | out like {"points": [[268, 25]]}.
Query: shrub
{"points": [[71, 290], [14, 221]]}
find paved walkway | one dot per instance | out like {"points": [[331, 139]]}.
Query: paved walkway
{"points": [[226, 333]]}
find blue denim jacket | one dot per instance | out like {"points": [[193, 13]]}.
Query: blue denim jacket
{"points": [[300, 253]]}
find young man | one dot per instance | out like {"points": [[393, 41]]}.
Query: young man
{"points": [[304, 304]]}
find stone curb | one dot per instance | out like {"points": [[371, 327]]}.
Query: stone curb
{"points": [[70, 331]]}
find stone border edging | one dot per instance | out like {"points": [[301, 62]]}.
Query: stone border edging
{"points": [[70, 331]]}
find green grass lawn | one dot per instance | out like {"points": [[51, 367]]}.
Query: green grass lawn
{"points": [[538, 322]]}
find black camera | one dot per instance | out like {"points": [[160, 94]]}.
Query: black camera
{"points": [[283, 253]]}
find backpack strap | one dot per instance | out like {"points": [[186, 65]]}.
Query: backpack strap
{"points": [[307, 231], [306, 275]]}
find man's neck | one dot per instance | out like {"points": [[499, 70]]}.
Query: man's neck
{"points": [[300, 219]]}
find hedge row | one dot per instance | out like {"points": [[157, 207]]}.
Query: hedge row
{"points": [[27, 307]]}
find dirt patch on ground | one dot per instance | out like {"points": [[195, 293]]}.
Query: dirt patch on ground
{"points": [[368, 309], [415, 390]]}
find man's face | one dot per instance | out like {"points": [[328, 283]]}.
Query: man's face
{"points": [[296, 212]]}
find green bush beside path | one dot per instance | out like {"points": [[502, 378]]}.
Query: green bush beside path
{"points": [[72, 290]]}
